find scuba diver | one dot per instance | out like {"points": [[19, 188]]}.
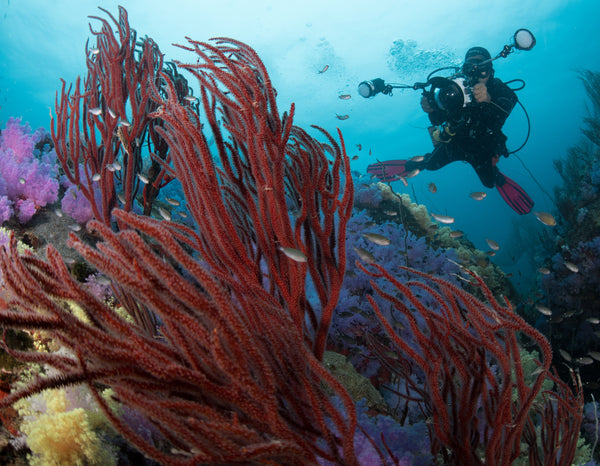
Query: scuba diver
{"points": [[469, 130]]}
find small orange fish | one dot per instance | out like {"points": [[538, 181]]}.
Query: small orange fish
{"points": [[325, 68], [432, 187]]}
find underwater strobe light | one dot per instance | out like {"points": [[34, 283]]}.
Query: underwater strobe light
{"points": [[524, 39], [373, 87]]}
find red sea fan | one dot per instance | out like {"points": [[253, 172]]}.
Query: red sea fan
{"points": [[231, 372], [475, 391]]}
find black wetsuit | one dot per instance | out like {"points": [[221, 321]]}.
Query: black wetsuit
{"points": [[478, 137]]}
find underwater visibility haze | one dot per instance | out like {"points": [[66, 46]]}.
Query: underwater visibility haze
{"points": [[397, 41], [243, 230]]}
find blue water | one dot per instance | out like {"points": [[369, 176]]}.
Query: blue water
{"points": [[40, 44]]}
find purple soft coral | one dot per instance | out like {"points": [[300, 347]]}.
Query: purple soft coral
{"points": [[353, 318], [29, 177], [74, 203]]}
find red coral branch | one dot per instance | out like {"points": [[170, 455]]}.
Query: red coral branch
{"points": [[267, 167], [233, 372], [228, 379], [475, 388], [107, 122]]}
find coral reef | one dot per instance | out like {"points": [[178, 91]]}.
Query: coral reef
{"points": [[569, 289], [578, 198], [211, 335]]}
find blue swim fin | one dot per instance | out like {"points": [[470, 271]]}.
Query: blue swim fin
{"points": [[514, 195]]}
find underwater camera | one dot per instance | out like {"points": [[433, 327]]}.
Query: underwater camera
{"points": [[452, 93]]}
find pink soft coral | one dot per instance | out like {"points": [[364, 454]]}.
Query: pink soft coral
{"points": [[28, 176]]}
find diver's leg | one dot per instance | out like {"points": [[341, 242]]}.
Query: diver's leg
{"points": [[441, 156], [488, 172]]}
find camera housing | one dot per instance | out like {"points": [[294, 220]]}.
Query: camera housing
{"points": [[450, 94]]}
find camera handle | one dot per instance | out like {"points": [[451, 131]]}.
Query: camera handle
{"points": [[416, 86]]}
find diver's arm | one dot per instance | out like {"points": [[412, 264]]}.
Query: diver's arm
{"points": [[503, 100], [436, 116]]}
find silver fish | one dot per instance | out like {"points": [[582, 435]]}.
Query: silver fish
{"points": [[365, 255], [572, 267], [443, 218], [478, 195], [566, 356], [543, 310], [377, 239], [595, 355], [492, 244], [164, 213], [294, 254]]}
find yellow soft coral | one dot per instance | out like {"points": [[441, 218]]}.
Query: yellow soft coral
{"points": [[79, 312], [64, 438], [21, 247]]}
